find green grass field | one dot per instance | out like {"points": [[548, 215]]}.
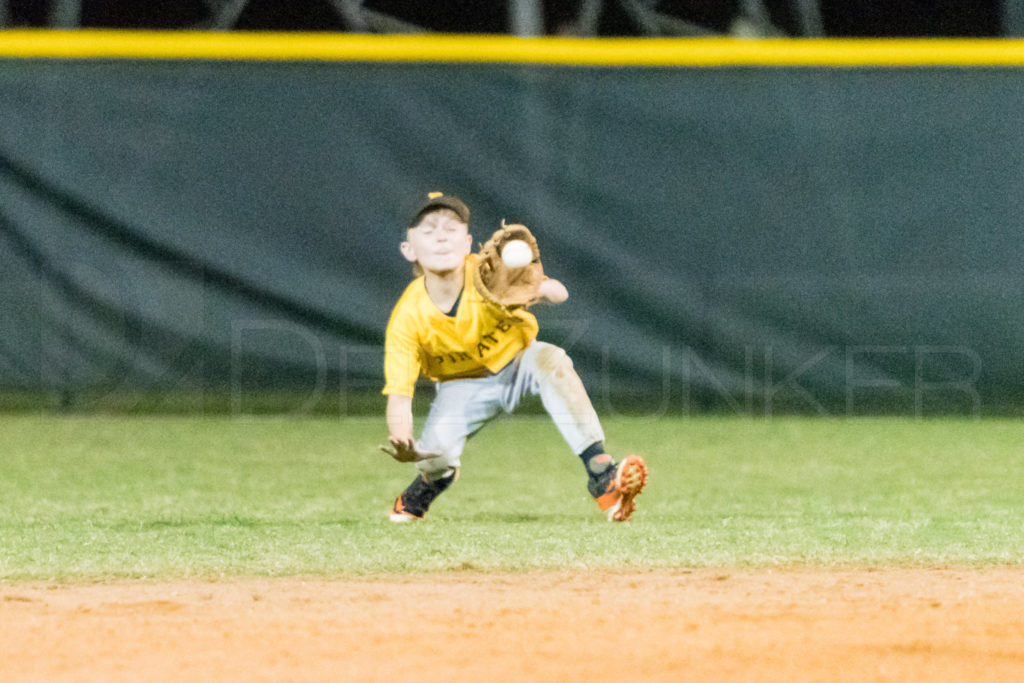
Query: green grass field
{"points": [[94, 498]]}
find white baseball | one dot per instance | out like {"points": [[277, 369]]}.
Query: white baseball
{"points": [[516, 253]]}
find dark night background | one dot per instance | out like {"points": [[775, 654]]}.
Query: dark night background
{"points": [[839, 18]]}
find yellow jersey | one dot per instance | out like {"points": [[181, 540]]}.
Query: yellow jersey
{"points": [[478, 340]]}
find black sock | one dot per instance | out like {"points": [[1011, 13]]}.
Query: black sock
{"points": [[421, 493], [596, 466]]}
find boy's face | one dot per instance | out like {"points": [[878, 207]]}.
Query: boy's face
{"points": [[440, 242]]}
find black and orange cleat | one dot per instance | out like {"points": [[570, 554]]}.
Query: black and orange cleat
{"points": [[618, 501], [400, 513], [415, 500]]}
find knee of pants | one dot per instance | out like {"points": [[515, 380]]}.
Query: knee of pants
{"points": [[553, 359], [450, 457], [433, 469], [550, 360]]}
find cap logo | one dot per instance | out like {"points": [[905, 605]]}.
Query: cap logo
{"points": [[434, 195]]}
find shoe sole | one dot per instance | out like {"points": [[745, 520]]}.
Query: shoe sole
{"points": [[630, 481], [403, 517]]}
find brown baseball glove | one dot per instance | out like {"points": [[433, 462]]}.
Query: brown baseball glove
{"points": [[497, 282]]}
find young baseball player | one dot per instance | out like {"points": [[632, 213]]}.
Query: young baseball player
{"points": [[463, 322]]}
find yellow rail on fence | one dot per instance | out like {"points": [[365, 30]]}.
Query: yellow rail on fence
{"points": [[491, 49]]}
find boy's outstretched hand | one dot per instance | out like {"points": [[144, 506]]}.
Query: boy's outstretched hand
{"points": [[405, 451]]}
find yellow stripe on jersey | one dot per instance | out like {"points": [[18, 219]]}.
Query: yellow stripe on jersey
{"points": [[478, 340]]}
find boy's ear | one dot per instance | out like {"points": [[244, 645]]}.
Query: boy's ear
{"points": [[407, 252]]}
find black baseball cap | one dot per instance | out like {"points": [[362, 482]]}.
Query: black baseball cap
{"points": [[439, 200]]}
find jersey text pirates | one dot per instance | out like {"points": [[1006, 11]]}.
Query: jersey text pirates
{"points": [[478, 340]]}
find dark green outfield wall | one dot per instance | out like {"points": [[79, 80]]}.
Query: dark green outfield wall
{"points": [[747, 239]]}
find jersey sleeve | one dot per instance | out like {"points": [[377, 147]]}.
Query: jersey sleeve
{"points": [[402, 357]]}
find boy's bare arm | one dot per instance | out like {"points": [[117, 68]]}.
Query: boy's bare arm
{"points": [[399, 419], [553, 290]]}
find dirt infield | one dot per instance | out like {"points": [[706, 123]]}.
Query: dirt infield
{"points": [[793, 625]]}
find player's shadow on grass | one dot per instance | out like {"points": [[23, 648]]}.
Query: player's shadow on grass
{"points": [[518, 517]]}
